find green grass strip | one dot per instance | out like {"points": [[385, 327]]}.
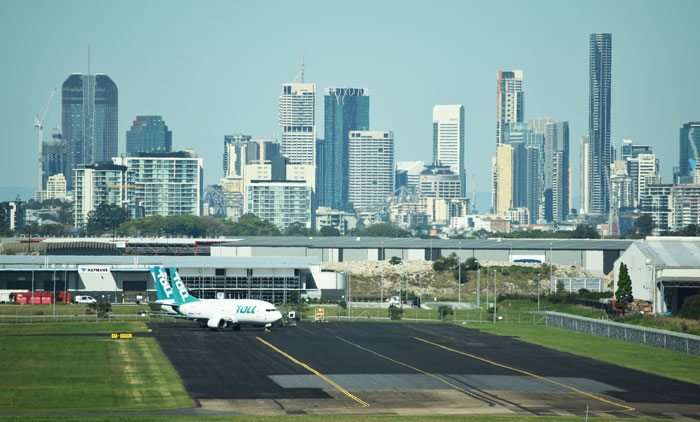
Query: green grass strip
{"points": [[348, 418], [70, 373], [657, 361]]}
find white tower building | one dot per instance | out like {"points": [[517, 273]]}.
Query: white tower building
{"points": [[298, 122], [448, 139], [371, 167]]}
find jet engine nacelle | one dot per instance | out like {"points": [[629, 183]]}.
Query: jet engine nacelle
{"points": [[216, 323]]}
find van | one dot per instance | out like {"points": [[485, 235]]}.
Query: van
{"points": [[84, 300]]}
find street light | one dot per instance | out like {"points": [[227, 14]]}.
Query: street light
{"points": [[381, 283], [459, 272], [550, 272]]}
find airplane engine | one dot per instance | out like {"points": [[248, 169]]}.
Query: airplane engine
{"points": [[216, 323]]}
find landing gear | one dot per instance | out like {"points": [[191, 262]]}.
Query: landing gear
{"points": [[236, 327], [267, 327]]}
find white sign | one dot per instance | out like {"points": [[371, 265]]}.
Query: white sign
{"points": [[93, 269]]}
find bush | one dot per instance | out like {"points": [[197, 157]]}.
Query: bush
{"points": [[690, 308], [445, 312], [395, 313], [101, 308]]}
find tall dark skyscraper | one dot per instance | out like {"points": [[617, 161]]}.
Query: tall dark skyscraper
{"points": [[89, 119], [53, 158], [149, 134], [346, 109], [689, 149], [600, 153]]}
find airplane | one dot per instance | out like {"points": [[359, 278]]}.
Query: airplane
{"points": [[164, 292], [221, 313]]}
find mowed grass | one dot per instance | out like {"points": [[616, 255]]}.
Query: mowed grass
{"points": [[73, 328], [654, 360], [74, 373], [349, 418]]}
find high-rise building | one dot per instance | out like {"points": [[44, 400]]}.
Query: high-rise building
{"points": [[371, 167], [600, 152], [408, 172], [639, 168], [555, 166], [510, 101], [345, 109], [89, 118], [166, 183], [56, 187], [53, 158], [96, 184], [280, 202], [240, 150], [439, 181], [149, 134], [298, 122], [504, 178], [527, 169], [448, 139], [689, 149], [632, 150], [585, 148]]}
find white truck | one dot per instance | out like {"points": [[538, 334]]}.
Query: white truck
{"points": [[84, 300]]}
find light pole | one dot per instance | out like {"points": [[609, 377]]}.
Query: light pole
{"points": [[381, 283], [550, 268], [459, 274]]}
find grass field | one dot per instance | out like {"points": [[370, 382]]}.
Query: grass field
{"points": [[631, 355], [352, 418], [71, 373]]}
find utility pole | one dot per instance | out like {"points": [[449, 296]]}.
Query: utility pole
{"points": [[478, 284], [495, 298], [459, 271]]}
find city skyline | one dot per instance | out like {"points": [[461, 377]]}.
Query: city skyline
{"points": [[243, 98]]}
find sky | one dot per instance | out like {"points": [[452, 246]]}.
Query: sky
{"points": [[217, 67]]}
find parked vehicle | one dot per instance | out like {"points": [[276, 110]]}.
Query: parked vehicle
{"points": [[84, 300]]}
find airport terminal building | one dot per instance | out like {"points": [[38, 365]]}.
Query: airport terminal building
{"points": [[120, 279]]}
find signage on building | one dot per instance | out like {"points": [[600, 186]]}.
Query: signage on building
{"points": [[93, 269]]}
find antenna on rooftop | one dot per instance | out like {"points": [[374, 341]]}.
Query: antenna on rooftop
{"points": [[300, 76]]}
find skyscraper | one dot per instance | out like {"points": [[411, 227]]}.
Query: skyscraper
{"points": [[345, 109], [149, 134], [510, 101], [599, 123], [689, 146], [448, 139], [89, 117], [371, 172], [298, 122], [555, 167], [53, 158], [585, 156]]}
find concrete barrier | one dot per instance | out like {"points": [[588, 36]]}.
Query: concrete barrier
{"points": [[678, 342]]}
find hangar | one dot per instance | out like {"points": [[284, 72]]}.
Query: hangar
{"points": [[664, 271], [594, 255], [120, 279]]}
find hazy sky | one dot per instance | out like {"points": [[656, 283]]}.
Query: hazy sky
{"points": [[212, 68]]}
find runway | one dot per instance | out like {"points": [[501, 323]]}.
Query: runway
{"points": [[406, 369]]}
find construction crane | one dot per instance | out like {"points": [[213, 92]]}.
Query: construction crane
{"points": [[39, 124]]}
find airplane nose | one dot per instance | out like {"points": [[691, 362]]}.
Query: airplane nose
{"points": [[277, 315]]}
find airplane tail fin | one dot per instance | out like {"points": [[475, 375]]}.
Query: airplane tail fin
{"points": [[180, 293], [164, 290]]}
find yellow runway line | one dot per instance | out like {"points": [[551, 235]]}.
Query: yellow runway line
{"points": [[491, 403], [310, 369], [593, 396]]}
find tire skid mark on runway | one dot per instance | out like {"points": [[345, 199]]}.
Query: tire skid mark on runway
{"points": [[320, 375], [574, 389], [476, 396]]}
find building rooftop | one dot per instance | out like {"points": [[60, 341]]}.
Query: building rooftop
{"points": [[679, 252]]}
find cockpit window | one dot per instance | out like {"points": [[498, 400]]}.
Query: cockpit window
{"points": [[270, 310]]}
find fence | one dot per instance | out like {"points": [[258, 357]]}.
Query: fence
{"points": [[679, 342], [574, 284]]}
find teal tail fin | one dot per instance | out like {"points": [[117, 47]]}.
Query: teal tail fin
{"points": [[163, 289], [180, 293]]}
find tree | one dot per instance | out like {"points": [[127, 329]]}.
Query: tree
{"points": [[471, 264], [584, 232], [623, 295], [250, 225], [395, 260], [644, 225], [55, 230], [395, 313], [445, 312], [446, 263], [329, 231], [105, 218], [299, 229], [690, 308], [383, 230]]}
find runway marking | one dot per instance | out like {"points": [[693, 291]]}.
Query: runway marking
{"points": [[323, 377], [476, 396], [593, 396]]}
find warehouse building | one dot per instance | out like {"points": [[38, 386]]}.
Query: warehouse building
{"points": [[664, 271]]}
